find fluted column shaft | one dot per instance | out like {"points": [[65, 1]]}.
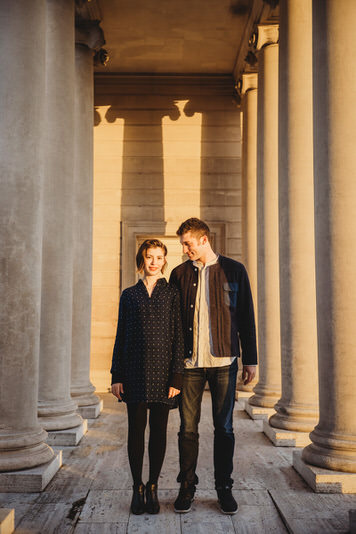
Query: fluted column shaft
{"points": [[249, 191], [56, 409], [267, 391], [22, 91], [298, 407], [334, 37], [82, 390]]}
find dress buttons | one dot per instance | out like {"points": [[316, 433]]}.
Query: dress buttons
{"points": [[190, 328], [195, 269], [194, 284], [190, 352], [191, 306]]}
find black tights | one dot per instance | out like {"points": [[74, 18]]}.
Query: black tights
{"points": [[137, 415]]}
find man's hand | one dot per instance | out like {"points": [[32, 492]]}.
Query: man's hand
{"points": [[172, 392], [248, 373], [117, 390]]}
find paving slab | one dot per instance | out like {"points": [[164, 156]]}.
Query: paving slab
{"points": [[91, 493], [311, 513]]}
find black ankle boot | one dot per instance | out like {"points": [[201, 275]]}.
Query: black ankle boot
{"points": [[138, 499], [152, 504]]}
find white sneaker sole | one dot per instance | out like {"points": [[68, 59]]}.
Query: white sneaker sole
{"points": [[183, 511], [227, 513]]}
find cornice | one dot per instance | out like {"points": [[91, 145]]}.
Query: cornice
{"points": [[167, 84]]}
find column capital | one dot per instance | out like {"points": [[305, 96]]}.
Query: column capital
{"points": [[248, 81], [264, 34], [89, 33]]}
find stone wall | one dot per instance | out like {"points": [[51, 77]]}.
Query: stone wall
{"points": [[165, 149]]}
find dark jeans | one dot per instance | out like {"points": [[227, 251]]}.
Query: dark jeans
{"points": [[222, 384]]}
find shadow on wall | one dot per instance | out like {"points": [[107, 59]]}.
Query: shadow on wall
{"points": [[159, 159]]}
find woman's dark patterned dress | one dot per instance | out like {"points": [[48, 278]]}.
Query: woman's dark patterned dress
{"points": [[148, 354]]}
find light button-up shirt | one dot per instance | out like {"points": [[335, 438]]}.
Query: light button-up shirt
{"points": [[202, 354]]}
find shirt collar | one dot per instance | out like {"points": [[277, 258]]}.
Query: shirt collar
{"points": [[201, 266]]}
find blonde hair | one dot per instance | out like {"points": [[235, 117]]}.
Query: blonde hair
{"points": [[141, 253]]}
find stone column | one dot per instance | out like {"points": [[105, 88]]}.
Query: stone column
{"points": [[22, 92], [297, 409], [334, 37], [82, 390], [249, 189], [268, 389], [56, 409]]}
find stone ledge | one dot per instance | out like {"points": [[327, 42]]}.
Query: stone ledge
{"points": [[7, 520], [30, 480], [258, 412], [69, 437], [91, 412], [324, 480], [285, 438]]}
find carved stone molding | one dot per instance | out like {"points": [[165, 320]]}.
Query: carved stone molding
{"points": [[264, 35], [89, 33], [272, 3], [249, 81], [88, 9]]}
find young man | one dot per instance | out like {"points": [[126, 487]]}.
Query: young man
{"points": [[218, 317]]}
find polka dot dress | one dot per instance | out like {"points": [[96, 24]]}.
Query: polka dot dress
{"points": [[149, 348]]}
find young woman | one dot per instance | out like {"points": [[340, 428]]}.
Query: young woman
{"points": [[147, 366]]}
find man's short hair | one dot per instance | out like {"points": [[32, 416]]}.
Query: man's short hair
{"points": [[141, 253], [197, 227]]}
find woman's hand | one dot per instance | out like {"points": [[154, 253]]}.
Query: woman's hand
{"points": [[117, 390], [172, 392]]}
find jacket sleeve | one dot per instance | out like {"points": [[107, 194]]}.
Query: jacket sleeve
{"points": [[117, 366], [177, 368], [173, 280], [246, 320]]}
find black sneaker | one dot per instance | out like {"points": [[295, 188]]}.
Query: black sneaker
{"points": [[185, 498], [228, 505], [138, 499]]}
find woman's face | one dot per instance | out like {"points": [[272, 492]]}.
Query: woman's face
{"points": [[153, 261]]}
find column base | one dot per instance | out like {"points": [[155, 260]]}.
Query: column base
{"points": [[91, 412], [352, 518], [30, 480], [242, 394], [69, 437], [324, 480], [264, 401], [258, 412], [7, 520], [84, 395], [285, 438]]}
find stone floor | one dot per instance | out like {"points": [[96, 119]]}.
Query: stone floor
{"points": [[92, 491]]}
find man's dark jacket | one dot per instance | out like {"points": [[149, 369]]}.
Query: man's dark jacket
{"points": [[230, 308]]}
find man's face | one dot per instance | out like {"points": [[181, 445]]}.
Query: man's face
{"points": [[192, 245]]}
